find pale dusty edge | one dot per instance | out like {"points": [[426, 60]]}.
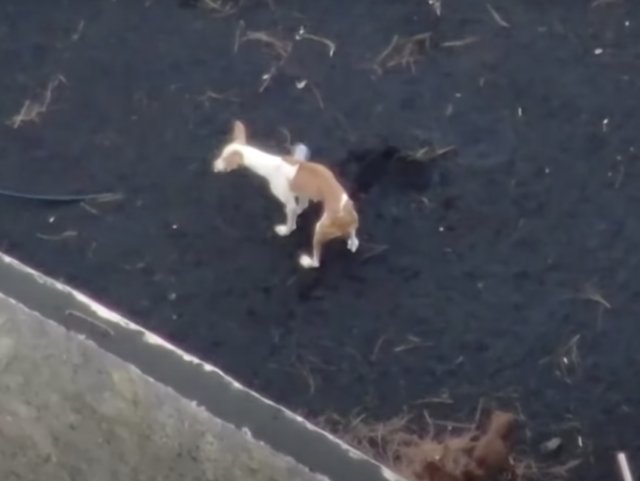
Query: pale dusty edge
{"points": [[106, 314]]}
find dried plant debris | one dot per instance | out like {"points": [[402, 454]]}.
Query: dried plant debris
{"points": [[281, 48], [32, 110], [216, 8], [456, 453], [302, 35], [496, 16], [403, 51], [462, 42]]}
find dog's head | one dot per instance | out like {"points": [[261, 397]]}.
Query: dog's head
{"points": [[232, 156]]}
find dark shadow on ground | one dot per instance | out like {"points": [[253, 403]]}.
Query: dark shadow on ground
{"points": [[472, 277]]}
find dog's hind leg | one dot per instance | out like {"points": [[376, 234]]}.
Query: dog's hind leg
{"points": [[353, 242], [323, 234]]}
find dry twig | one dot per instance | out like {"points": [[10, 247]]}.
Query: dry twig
{"points": [[281, 47], [209, 95], [403, 52], [496, 16], [221, 8], [331, 46], [461, 42], [31, 110], [428, 153]]}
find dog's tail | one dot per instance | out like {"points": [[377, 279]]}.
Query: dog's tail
{"points": [[301, 152]]}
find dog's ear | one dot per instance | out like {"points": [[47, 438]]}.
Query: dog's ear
{"points": [[239, 132]]}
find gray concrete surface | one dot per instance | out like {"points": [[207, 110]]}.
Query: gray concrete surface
{"points": [[71, 411]]}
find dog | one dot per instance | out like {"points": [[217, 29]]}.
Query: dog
{"points": [[296, 182]]}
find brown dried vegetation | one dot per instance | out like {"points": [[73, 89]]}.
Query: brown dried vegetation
{"points": [[469, 454]]}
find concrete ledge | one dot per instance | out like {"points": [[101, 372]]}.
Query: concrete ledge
{"points": [[86, 394], [71, 411]]}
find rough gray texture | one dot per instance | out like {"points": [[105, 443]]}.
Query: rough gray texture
{"points": [[70, 411]]}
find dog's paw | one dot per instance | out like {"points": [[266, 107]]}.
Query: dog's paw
{"points": [[282, 230], [353, 244], [307, 262]]}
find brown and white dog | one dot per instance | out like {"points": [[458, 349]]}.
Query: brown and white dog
{"points": [[295, 182]]}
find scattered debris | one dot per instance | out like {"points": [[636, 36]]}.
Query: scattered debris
{"points": [[281, 47], [32, 110], [496, 16], [209, 95], [402, 51], [429, 153], [460, 43], [375, 250], [78, 31], [597, 3], [64, 235], [301, 35], [437, 6], [568, 359], [221, 9], [623, 464], [551, 446], [459, 452], [592, 293]]}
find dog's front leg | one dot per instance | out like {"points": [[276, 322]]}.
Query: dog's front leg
{"points": [[291, 211]]}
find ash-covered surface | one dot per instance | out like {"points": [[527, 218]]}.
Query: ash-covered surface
{"points": [[488, 261], [71, 411]]}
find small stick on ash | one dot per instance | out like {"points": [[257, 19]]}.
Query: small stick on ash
{"points": [[31, 110], [385, 52], [460, 43], [330, 45], [375, 250], [443, 399], [281, 47], [64, 235], [592, 293], [437, 6], [602, 2], [209, 95], [236, 40], [402, 51], [377, 348], [266, 78], [306, 373], [221, 9], [496, 16], [623, 464], [78, 32], [317, 95], [428, 153], [287, 136]]}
